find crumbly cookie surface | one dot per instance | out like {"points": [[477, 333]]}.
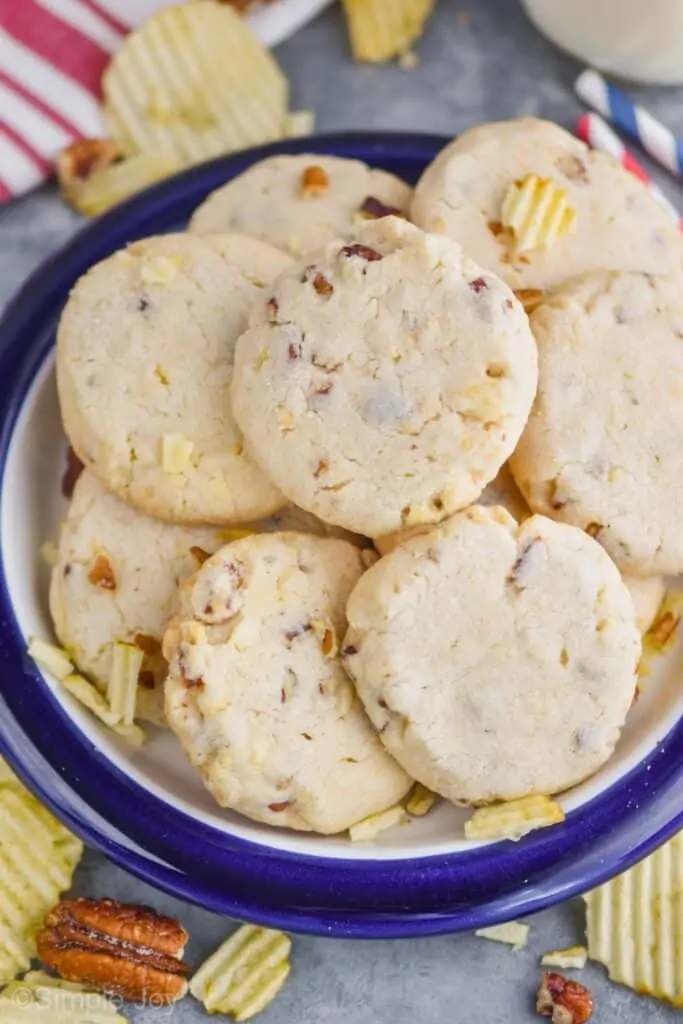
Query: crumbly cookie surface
{"points": [[495, 660], [116, 581], [603, 448], [299, 203], [144, 365], [618, 225], [384, 382], [256, 691]]}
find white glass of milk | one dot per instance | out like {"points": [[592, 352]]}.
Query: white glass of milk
{"points": [[634, 39]]}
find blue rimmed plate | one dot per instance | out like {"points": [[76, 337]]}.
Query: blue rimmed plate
{"points": [[418, 879]]}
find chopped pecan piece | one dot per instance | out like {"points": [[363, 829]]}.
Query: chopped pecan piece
{"points": [[123, 950], [375, 208], [102, 574], [272, 306], [146, 679], [322, 285], [567, 1002], [478, 285], [147, 644], [81, 160], [594, 529], [199, 554], [294, 351], [74, 468], [531, 298], [278, 808], [363, 251], [314, 182]]}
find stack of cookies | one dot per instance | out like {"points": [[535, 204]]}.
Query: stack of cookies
{"points": [[364, 469]]}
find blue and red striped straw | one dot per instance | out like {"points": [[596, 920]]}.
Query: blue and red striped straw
{"points": [[657, 140]]}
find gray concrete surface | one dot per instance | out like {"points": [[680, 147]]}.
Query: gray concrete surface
{"points": [[479, 61]]}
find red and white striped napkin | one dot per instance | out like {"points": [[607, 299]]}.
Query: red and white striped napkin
{"points": [[52, 55]]}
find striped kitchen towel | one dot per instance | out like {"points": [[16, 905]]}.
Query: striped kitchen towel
{"points": [[52, 55]]}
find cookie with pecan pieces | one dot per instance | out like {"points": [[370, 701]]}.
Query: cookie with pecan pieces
{"points": [[298, 203], [257, 693], [496, 660], [385, 379]]}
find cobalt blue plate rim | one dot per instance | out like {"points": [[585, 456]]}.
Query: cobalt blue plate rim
{"points": [[363, 898]]}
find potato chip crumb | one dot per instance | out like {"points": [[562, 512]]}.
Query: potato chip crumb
{"points": [[53, 659], [160, 269], [573, 958], [514, 819], [49, 552], [383, 29], [512, 933], [122, 688], [370, 828], [175, 452], [299, 123], [537, 211], [245, 973], [420, 801]]}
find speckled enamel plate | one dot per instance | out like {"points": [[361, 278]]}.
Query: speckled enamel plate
{"points": [[149, 811]]}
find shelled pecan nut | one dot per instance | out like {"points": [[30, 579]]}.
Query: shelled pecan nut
{"points": [[122, 950]]}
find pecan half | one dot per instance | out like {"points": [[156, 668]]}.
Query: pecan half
{"points": [[102, 574], [364, 251], [73, 469], [76, 163], [123, 950], [567, 1002], [374, 208], [314, 182]]}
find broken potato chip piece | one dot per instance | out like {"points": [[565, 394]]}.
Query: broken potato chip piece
{"points": [[175, 452], [91, 698], [368, 829], [53, 659], [634, 925], [514, 819], [244, 974], [40, 997], [573, 958], [38, 857], [513, 933], [111, 185], [194, 82], [382, 29], [420, 801], [122, 689], [537, 211]]}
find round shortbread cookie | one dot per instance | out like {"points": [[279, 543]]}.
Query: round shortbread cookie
{"points": [[619, 225], [117, 577], [299, 203], [603, 448], [646, 591], [256, 692], [495, 660], [384, 382], [144, 364]]}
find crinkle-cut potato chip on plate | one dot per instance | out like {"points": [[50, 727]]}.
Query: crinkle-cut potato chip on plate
{"points": [[383, 29], [38, 857], [635, 924], [194, 82]]}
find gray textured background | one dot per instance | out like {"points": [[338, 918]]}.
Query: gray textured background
{"points": [[479, 61]]}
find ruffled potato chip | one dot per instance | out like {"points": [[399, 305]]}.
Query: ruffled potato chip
{"points": [[383, 29], [194, 82]]}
